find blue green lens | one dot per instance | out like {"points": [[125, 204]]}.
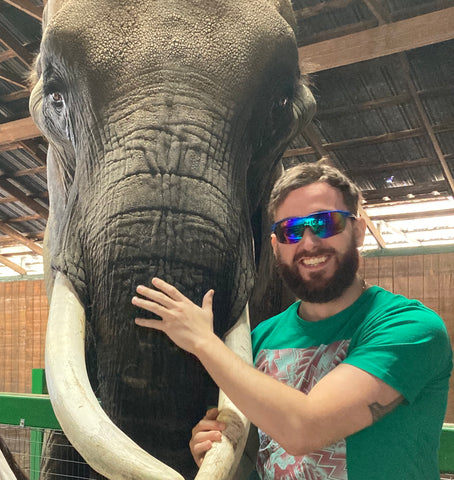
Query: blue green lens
{"points": [[323, 224]]}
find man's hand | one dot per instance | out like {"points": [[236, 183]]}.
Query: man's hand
{"points": [[207, 431], [185, 323]]}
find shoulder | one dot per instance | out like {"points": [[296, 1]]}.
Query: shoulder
{"points": [[386, 309], [396, 334]]}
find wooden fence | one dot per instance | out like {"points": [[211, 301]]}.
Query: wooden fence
{"points": [[24, 308]]}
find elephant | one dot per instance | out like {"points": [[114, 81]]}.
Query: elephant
{"points": [[165, 120]]}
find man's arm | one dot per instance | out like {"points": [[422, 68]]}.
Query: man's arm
{"points": [[345, 401]]}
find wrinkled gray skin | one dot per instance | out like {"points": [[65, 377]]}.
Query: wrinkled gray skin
{"points": [[165, 119]]}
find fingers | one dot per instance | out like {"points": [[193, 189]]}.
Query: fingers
{"points": [[168, 289], [199, 450], [207, 302], [204, 434], [145, 322], [149, 305], [155, 296]]}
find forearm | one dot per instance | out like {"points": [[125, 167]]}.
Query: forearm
{"points": [[274, 407]]}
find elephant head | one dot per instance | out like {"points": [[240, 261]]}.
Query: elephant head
{"points": [[165, 119]]}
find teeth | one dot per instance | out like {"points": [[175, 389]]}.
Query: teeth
{"points": [[314, 260]]}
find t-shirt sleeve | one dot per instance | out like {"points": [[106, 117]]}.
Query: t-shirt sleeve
{"points": [[407, 349]]}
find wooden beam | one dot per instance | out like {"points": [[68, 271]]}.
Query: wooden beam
{"points": [[17, 131], [426, 122], [400, 193], [29, 171], [21, 52], [13, 96], [33, 148], [26, 218], [6, 55], [448, 212], [28, 7], [12, 78], [376, 103], [12, 265], [371, 140], [6, 241], [7, 230], [323, 7], [23, 197], [390, 167], [379, 11], [380, 41]]}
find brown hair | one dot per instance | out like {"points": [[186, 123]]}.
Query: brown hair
{"points": [[308, 173]]}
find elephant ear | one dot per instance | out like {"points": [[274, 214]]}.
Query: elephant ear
{"points": [[51, 8], [271, 149], [284, 7]]}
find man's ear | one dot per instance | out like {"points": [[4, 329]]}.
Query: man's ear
{"points": [[359, 230], [274, 243]]}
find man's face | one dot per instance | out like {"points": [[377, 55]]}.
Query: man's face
{"points": [[317, 269]]}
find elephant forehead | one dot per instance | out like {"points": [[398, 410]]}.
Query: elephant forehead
{"points": [[221, 39]]}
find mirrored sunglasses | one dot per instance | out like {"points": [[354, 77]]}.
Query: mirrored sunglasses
{"points": [[323, 224]]}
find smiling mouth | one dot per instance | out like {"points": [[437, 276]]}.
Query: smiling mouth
{"points": [[313, 261]]}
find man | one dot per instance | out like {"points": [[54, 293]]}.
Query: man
{"points": [[362, 373]]}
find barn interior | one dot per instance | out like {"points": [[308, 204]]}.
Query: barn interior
{"points": [[382, 73]]}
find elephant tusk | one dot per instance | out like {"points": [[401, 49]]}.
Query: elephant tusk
{"points": [[102, 444], [5, 471], [221, 461]]}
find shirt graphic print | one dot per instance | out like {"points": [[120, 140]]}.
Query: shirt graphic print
{"points": [[301, 369]]}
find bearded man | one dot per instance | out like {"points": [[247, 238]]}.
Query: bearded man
{"points": [[351, 381]]}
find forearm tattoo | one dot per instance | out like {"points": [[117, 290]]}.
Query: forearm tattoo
{"points": [[379, 411]]}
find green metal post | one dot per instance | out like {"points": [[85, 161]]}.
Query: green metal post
{"points": [[36, 436]]}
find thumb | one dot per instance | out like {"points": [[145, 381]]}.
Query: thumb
{"points": [[207, 302]]}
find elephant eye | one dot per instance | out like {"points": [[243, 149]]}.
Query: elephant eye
{"points": [[57, 99], [283, 101]]}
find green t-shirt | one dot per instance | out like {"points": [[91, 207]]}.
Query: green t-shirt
{"points": [[398, 340]]}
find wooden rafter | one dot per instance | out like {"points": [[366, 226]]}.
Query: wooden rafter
{"points": [[8, 263], [11, 78], [33, 148], [415, 215], [379, 11], [11, 189], [399, 99], [13, 96], [17, 131], [426, 122], [390, 167], [28, 7], [371, 140], [7, 230], [384, 40], [308, 12], [11, 43], [6, 55], [400, 193]]}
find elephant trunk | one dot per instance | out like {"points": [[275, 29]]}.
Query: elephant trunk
{"points": [[157, 214]]}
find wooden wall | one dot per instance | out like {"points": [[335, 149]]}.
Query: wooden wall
{"points": [[428, 278], [24, 309], [23, 318]]}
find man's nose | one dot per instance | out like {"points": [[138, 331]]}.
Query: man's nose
{"points": [[309, 240]]}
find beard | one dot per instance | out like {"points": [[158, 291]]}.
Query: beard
{"points": [[317, 289]]}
